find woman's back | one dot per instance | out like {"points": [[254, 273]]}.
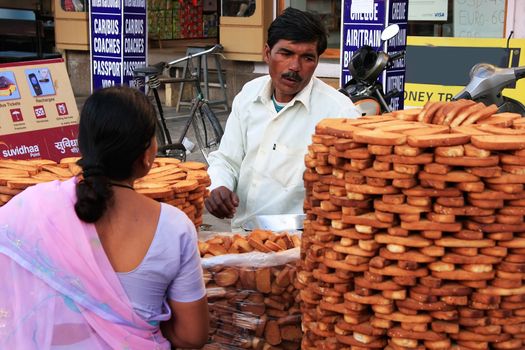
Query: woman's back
{"points": [[62, 290], [127, 228], [83, 232], [118, 145], [149, 246]]}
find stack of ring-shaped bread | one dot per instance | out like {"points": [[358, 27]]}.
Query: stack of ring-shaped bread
{"points": [[182, 184], [415, 237]]}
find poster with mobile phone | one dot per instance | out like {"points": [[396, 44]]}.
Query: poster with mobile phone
{"points": [[40, 82], [38, 111]]}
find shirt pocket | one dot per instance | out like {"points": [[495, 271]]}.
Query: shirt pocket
{"points": [[287, 165]]}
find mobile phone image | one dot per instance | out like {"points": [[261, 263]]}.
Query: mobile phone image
{"points": [[36, 85]]}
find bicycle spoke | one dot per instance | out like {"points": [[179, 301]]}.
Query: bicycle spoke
{"points": [[206, 133]]}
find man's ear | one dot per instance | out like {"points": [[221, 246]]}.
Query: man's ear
{"points": [[266, 53]]}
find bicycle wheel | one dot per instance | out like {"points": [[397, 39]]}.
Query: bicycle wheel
{"points": [[214, 122], [208, 130]]}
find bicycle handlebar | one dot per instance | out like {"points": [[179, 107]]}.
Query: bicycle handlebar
{"points": [[214, 49]]}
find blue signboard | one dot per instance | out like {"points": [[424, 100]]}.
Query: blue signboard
{"points": [[395, 75], [362, 25], [135, 39], [117, 39], [363, 22]]}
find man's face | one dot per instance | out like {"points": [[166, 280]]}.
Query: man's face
{"points": [[291, 66]]}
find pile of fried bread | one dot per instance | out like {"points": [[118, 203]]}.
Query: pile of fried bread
{"points": [[253, 302], [258, 240], [415, 237], [182, 184]]}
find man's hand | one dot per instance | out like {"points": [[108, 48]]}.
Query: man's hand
{"points": [[222, 203]]}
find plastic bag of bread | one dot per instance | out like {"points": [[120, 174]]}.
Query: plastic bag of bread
{"points": [[250, 287]]}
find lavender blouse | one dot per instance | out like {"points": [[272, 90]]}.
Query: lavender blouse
{"points": [[171, 268]]}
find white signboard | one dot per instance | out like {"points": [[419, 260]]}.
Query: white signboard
{"points": [[362, 6], [479, 18], [427, 10]]}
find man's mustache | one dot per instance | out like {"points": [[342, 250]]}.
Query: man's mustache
{"points": [[292, 75]]}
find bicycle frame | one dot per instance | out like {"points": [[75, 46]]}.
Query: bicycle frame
{"points": [[198, 100], [214, 49], [197, 103], [197, 109]]}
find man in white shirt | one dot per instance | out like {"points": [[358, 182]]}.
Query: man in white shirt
{"points": [[259, 166]]}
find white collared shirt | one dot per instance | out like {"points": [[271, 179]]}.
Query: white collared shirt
{"points": [[261, 155]]}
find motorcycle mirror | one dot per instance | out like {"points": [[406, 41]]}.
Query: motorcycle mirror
{"points": [[389, 32], [505, 60]]}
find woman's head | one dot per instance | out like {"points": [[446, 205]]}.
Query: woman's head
{"points": [[117, 126]]}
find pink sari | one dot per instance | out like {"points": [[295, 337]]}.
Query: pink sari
{"points": [[59, 290]]}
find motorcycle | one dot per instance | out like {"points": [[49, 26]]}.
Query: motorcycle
{"points": [[366, 65], [487, 83]]}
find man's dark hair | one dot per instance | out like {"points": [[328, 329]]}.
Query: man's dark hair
{"points": [[298, 26]]}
